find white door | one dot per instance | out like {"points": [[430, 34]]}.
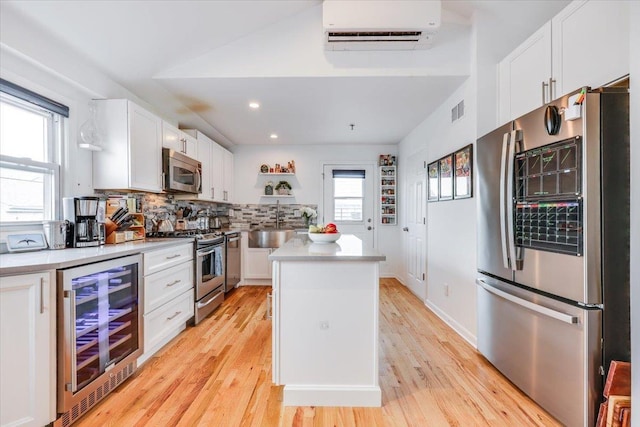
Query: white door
{"points": [[416, 228], [349, 198]]}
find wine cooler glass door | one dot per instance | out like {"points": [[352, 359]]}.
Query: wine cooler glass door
{"points": [[101, 318]]}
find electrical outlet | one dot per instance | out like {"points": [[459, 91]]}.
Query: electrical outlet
{"points": [[446, 290], [324, 325]]}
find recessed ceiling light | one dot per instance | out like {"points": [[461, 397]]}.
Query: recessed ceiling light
{"points": [[254, 105], [273, 136]]}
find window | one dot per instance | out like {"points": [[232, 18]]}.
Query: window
{"points": [[348, 195], [30, 141]]}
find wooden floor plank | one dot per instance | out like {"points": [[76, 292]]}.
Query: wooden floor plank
{"points": [[219, 374]]}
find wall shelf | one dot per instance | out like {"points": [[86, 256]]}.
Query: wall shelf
{"points": [[277, 174], [277, 196], [388, 205]]}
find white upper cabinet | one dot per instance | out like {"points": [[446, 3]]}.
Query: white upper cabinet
{"points": [[524, 76], [172, 137], [190, 145], [217, 172], [217, 169], [179, 141], [132, 152], [586, 44], [590, 44], [228, 182]]}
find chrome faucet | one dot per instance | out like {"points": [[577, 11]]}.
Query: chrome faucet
{"points": [[277, 214]]}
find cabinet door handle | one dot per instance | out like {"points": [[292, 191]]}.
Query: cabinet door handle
{"points": [[544, 97], [41, 295], [552, 92], [174, 315], [172, 256], [175, 282]]}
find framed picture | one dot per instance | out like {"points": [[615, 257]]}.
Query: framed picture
{"points": [[463, 161], [446, 177], [432, 183]]}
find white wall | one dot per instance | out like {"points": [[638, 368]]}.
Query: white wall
{"points": [[635, 206], [307, 183], [451, 225]]}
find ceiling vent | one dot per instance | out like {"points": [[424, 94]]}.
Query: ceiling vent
{"points": [[379, 24]]}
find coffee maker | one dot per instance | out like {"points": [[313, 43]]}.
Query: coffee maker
{"points": [[84, 228]]}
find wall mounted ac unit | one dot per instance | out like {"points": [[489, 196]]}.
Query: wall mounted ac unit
{"points": [[380, 24]]}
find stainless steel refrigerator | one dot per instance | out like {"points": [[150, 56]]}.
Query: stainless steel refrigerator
{"points": [[553, 249]]}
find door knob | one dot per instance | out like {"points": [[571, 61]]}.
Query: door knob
{"points": [[369, 228], [405, 228], [369, 220]]}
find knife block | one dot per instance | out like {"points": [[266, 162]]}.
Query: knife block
{"points": [[135, 232]]}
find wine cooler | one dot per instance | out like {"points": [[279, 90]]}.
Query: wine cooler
{"points": [[99, 332]]}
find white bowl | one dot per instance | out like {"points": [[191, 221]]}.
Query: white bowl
{"points": [[324, 248], [324, 237]]}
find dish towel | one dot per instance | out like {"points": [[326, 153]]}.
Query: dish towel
{"points": [[218, 261]]}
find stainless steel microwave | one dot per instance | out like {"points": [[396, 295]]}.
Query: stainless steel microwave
{"points": [[181, 174]]}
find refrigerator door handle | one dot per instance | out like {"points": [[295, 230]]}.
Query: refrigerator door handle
{"points": [[563, 317], [503, 201], [516, 136]]}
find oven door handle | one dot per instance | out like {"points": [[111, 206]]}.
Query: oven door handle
{"points": [[204, 304], [205, 252]]}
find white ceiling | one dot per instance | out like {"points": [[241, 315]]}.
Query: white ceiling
{"points": [[205, 60]]}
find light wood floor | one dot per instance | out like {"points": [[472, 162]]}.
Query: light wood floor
{"points": [[219, 374]]}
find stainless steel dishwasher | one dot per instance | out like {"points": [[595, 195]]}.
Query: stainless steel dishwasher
{"points": [[233, 252]]}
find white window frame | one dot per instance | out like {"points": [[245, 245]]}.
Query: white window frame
{"points": [[50, 168], [349, 221]]}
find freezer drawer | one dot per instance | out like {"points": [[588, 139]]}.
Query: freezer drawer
{"points": [[549, 349]]}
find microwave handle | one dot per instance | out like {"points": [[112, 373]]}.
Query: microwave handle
{"points": [[198, 173]]}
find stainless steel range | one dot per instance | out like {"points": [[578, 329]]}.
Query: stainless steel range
{"points": [[209, 268]]}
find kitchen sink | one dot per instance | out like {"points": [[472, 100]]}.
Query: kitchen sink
{"points": [[270, 237]]}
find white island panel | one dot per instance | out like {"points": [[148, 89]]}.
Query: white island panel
{"points": [[325, 327]]}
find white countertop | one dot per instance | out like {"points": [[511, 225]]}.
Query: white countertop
{"points": [[347, 248], [29, 262]]}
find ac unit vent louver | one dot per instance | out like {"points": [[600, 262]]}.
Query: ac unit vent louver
{"points": [[379, 24]]}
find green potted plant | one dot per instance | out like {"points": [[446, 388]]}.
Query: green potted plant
{"points": [[283, 187]]}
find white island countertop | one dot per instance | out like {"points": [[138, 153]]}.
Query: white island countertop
{"points": [[347, 248]]}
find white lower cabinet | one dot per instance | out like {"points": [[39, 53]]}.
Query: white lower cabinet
{"points": [[256, 263], [166, 322], [168, 296], [28, 349]]}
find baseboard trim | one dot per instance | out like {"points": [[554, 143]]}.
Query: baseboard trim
{"points": [[332, 395], [254, 282], [457, 327]]}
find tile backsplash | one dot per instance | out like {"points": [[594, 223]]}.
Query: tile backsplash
{"points": [[165, 206], [262, 215]]}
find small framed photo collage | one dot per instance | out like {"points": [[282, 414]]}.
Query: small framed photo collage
{"points": [[451, 176]]}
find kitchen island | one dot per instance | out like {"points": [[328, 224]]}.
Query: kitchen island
{"points": [[325, 322]]}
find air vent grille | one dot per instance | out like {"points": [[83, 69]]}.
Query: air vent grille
{"points": [[374, 36], [95, 396]]}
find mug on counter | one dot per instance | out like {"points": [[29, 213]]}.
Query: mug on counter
{"points": [[56, 234]]}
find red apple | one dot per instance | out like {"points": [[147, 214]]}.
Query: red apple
{"points": [[330, 228]]}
